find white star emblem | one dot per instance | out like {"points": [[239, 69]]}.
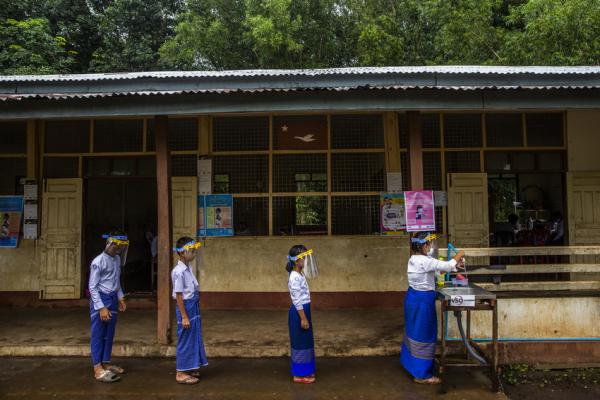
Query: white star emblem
{"points": [[284, 128]]}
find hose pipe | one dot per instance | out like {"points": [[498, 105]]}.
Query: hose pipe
{"points": [[468, 346]]}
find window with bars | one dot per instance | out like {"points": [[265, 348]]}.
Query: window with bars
{"points": [[251, 216], [13, 137], [430, 130], [72, 136], [297, 215], [118, 135], [299, 173], [61, 167]]}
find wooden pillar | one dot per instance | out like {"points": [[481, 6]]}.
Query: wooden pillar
{"points": [[392, 142], [415, 149], [32, 150], [164, 231]]}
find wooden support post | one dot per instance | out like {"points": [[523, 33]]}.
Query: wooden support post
{"points": [[163, 186], [392, 142], [415, 150], [32, 150]]}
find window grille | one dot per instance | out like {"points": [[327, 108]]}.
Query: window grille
{"points": [[462, 130], [114, 135], [67, 136], [504, 129], [358, 172], [61, 167], [251, 216], [300, 173], [297, 215], [544, 129], [430, 129], [241, 174], [13, 137], [240, 133], [357, 131], [355, 215], [462, 161], [13, 169]]}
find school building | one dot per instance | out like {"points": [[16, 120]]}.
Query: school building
{"points": [[306, 155]]}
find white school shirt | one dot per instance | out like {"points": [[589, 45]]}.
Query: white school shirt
{"points": [[298, 287], [184, 281], [105, 277], [422, 269]]}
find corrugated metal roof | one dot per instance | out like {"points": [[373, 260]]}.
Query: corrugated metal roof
{"points": [[459, 69], [66, 96]]}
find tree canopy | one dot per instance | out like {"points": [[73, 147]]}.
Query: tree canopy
{"points": [[71, 36]]}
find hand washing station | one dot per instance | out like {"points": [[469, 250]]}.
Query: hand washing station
{"points": [[467, 298]]}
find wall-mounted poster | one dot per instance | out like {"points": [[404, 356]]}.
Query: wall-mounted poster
{"points": [[420, 211], [215, 215], [393, 220], [11, 212]]}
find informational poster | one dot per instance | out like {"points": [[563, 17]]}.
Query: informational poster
{"points": [[394, 182], [441, 198], [11, 213], [420, 211], [204, 176], [393, 219], [215, 215]]}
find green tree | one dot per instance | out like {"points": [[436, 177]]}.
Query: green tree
{"points": [[132, 32], [28, 47], [553, 32]]}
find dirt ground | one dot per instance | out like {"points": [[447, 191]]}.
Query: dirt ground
{"points": [[526, 383]]}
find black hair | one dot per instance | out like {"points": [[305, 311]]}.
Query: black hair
{"points": [[182, 241], [417, 248], [294, 251]]}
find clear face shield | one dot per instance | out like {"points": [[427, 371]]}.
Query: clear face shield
{"points": [[430, 238], [310, 269], [122, 243], [192, 247]]}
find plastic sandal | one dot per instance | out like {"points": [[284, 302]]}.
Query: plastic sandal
{"points": [[108, 377], [304, 379], [115, 369], [434, 380], [188, 380]]}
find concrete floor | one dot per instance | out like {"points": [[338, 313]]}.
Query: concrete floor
{"points": [[65, 332], [230, 378]]}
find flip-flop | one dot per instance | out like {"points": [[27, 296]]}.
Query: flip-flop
{"points": [[115, 369], [108, 377], [188, 380], [434, 380], [304, 379]]}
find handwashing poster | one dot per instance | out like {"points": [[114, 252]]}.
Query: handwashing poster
{"points": [[11, 211], [215, 215], [393, 220], [420, 211]]}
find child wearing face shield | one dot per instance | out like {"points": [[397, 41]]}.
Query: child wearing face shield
{"points": [[106, 301], [420, 336], [190, 354], [299, 317]]}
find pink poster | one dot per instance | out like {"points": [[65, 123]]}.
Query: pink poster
{"points": [[420, 211]]}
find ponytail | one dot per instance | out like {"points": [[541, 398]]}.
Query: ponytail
{"points": [[294, 251]]}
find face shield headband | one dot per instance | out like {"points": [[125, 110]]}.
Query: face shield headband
{"points": [[122, 241], [190, 246]]}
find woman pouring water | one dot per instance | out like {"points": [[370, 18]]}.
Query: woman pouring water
{"points": [[420, 319]]}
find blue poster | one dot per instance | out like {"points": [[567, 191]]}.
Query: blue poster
{"points": [[215, 215], [11, 211]]}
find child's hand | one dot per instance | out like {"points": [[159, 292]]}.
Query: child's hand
{"points": [[185, 322], [305, 324], [105, 314], [122, 305]]}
